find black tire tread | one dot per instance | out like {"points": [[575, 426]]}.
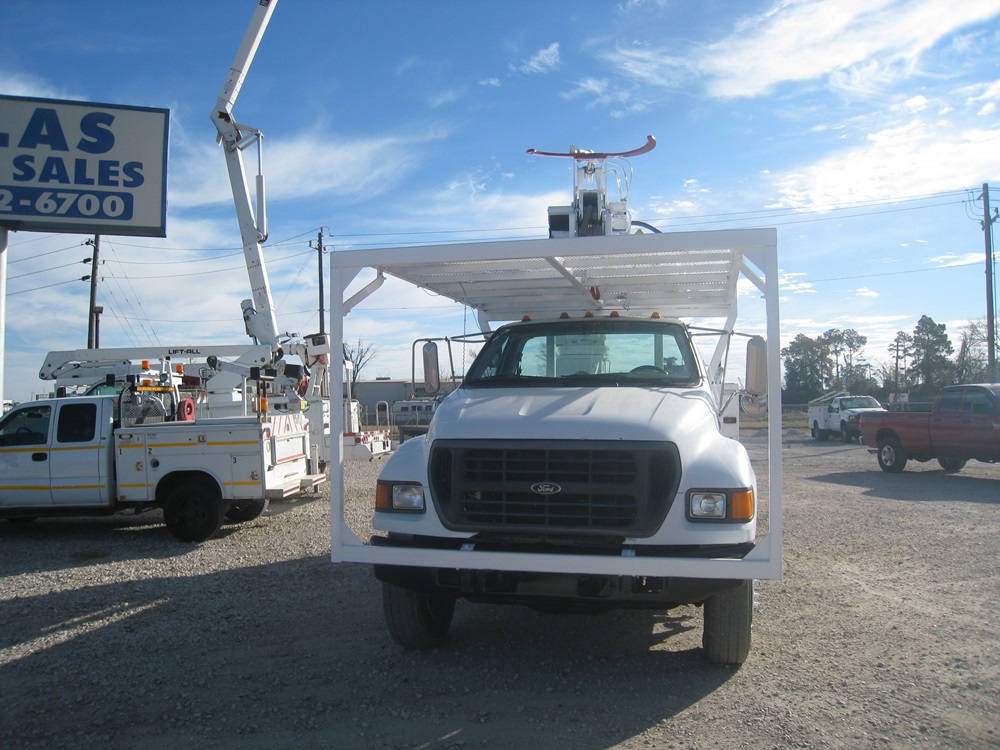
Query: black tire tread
{"points": [[416, 621], [728, 624]]}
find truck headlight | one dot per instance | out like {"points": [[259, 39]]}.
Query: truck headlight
{"points": [[707, 504], [399, 498], [732, 506]]}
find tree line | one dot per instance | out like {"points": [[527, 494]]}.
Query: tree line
{"points": [[919, 362]]}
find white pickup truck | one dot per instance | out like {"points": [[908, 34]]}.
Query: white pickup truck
{"points": [[840, 415], [98, 455]]}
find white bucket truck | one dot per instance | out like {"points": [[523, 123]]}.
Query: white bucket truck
{"points": [[581, 464]]}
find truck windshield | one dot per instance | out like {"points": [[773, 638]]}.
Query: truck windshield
{"points": [[860, 402], [591, 351]]}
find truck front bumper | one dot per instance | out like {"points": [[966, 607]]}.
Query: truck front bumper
{"points": [[562, 591], [556, 591]]}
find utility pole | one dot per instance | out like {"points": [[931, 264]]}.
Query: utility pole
{"points": [[991, 333], [92, 312], [319, 248]]}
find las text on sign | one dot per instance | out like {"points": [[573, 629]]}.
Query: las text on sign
{"points": [[82, 167]]}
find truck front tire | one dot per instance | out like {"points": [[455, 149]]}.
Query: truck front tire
{"points": [[416, 621], [193, 512], [728, 621]]}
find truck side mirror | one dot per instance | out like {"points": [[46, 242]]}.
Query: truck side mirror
{"points": [[432, 372], [756, 375]]}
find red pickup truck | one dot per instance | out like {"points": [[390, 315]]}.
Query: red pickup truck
{"points": [[964, 424]]}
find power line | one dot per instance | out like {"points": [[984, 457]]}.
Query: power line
{"points": [[894, 273], [42, 255], [137, 297], [812, 219], [48, 286], [229, 269], [44, 270]]}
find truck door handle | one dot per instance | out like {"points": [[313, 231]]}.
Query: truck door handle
{"points": [[39, 456]]}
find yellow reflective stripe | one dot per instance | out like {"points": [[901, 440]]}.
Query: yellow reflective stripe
{"points": [[211, 444]]}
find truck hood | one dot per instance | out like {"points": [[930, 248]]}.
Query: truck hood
{"points": [[572, 414]]}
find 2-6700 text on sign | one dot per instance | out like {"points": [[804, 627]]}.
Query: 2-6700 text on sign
{"points": [[74, 204]]}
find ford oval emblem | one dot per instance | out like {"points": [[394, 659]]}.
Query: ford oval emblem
{"points": [[545, 488]]}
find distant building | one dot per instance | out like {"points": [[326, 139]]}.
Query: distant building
{"points": [[378, 396]]}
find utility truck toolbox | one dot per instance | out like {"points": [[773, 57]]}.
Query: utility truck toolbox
{"points": [[580, 464]]}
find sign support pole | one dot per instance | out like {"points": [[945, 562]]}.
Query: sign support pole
{"points": [[3, 303]]}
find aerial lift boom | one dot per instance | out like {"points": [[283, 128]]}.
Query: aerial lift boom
{"points": [[258, 313]]}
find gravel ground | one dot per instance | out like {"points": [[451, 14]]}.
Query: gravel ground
{"points": [[882, 634]]}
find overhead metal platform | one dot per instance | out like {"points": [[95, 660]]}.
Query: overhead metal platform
{"points": [[678, 274]]}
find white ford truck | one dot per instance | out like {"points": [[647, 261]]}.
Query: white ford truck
{"points": [[581, 464], [136, 451], [840, 414]]}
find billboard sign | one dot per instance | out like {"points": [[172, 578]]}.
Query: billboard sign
{"points": [[82, 167]]}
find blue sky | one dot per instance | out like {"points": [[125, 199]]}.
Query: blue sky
{"points": [[862, 129]]}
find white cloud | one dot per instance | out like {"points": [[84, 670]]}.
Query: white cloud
{"points": [[25, 84], [652, 67], [791, 282], [596, 87], [950, 260], [543, 61], [862, 41], [990, 97], [865, 292], [445, 97], [301, 165], [915, 158], [602, 93]]}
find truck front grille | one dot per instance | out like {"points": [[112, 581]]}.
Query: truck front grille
{"points": [[554, 487]]}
